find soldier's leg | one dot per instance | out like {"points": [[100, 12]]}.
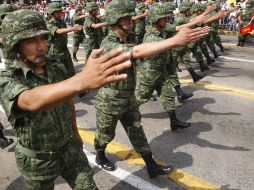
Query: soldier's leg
{"points": [[168, 101], [187, 61], [144, 93], [194, 48], [131, 122], [77, 171], [105, 133], [203, 48], [175, 56], [39, 184], [4, 142], [68, 64], [217, 39], [76, 42], [210, 43], [175, 83]]}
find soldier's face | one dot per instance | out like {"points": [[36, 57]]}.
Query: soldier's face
{"points": [[57, 15], [163, 21], [126, 22], [94, 12], [35, 50]]}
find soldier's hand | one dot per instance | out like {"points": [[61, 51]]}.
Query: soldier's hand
{"points": [[101, 70], [221, 14], [187, 35], [145, 13], [210, 8], [201, 18], [77, 27]]}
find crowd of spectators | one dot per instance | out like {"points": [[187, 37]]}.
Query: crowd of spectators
{"points": [[229, 23]]}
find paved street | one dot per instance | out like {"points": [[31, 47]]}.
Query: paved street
{"points": [[216, 152]]}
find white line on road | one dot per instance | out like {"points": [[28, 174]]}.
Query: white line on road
{"points": [[236, 59], [121, 174]]}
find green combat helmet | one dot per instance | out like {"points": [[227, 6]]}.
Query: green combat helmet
{"points": [[117, 9], [197, 7], [91, 6], [20, 25], [78, 8], [156, 13], [54, 7], [170, 7], [141, 6], [4, 9], [184, 6]]}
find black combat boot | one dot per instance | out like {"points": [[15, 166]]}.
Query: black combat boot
{"points": [[195, 76], [155, 169], [215, 54], [181, 96], [202, 66], [74, 57], [209, 60], [102, 161], [221, 48], [175, 123], [4, 142]]}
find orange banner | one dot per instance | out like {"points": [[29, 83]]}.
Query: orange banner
{"points": [[249, 29]]}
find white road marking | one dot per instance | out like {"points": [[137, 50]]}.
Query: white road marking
{"points": [[236, 59], [123, 175]]}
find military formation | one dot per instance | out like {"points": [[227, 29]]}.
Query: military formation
{"points": [[39, 82]]}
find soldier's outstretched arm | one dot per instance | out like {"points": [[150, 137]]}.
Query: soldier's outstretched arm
{"points": [[183, 37], [76, 27], [99, 25], [218, 16], [99, 71]]}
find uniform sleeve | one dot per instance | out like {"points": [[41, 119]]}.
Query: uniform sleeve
{"points": [[88, 22], [10, 89], [181, 20], [170, 28], [52, 28]]}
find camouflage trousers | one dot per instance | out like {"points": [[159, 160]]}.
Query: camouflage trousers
{"points": [[151, 79], [172, 76], [182, 56], [196, 50], [89, 44], [210, 42], [67, 61], [77, 40], [130, 119], [216, 37], [72, 165]]}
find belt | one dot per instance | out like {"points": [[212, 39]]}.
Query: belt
{"points": [[122, 93], [41, 155]]}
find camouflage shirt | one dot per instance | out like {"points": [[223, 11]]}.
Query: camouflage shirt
{"points": [[140, 25], [170, 30], [92, 33], [246, 17], [57, 42], [159, 61], [118, 97], [80, 21], [181, 19], [47, 130]]}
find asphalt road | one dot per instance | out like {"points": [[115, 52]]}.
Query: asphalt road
{"points": [[216, 152]]}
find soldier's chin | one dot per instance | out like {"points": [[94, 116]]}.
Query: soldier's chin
{"points": [[41, 61]]}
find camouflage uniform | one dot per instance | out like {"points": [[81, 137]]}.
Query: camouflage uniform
{"points": [[215, 27], [46, 145], [78, 36], [93, 36], [58, 49], [117, 101], [155, 73], [199, 47], [246, 18], [4, 9], [140, 24]]}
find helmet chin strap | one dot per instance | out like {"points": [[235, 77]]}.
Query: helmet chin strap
{"points": [[24, 59], [129, 32]]}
